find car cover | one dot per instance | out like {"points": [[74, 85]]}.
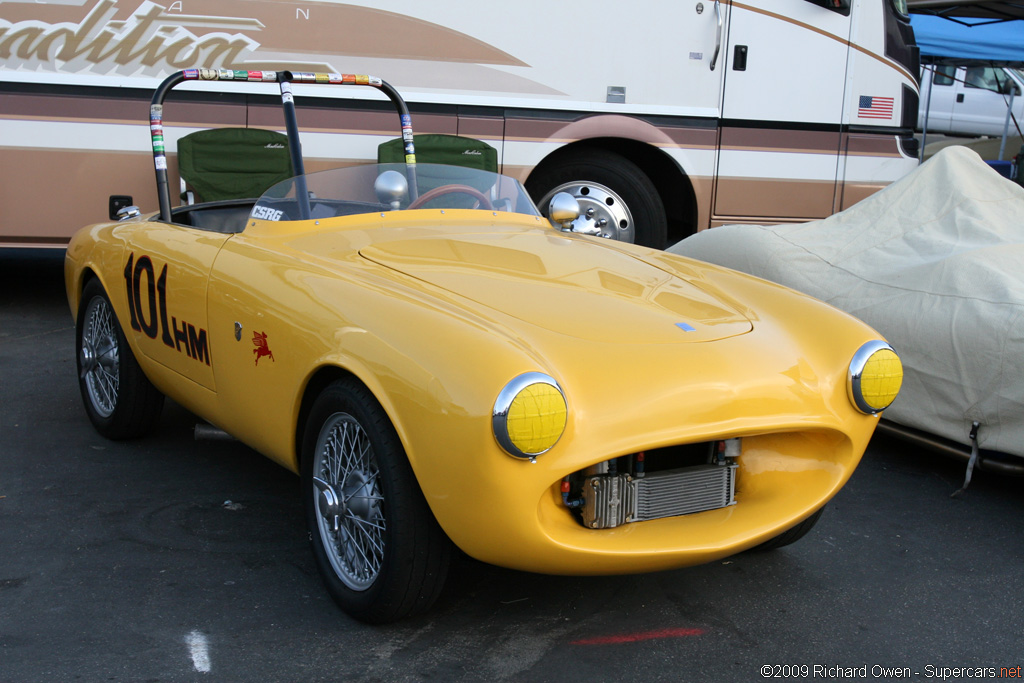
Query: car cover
{"points": [[934, 263]]}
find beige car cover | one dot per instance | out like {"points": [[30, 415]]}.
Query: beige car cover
{"points": [[935, 263]]}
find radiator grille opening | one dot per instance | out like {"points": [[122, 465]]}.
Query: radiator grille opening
{"points": [[680, 480], [685, 491]]}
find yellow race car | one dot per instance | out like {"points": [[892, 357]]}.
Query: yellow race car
{"points": [[443, 366]]}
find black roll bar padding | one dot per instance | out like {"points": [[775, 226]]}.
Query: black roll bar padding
{"points": [[156, 129], [291, 125], [284, 78], [407, 136]]}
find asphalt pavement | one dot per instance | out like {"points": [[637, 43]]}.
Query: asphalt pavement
{"points": [[167, 559]]}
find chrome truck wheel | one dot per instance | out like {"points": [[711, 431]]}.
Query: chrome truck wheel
{"points": [[614, 195]]}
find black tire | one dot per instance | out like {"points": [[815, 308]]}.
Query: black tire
{"points": [[791, 535], [610, 184], [386, 557], [120, 401]]}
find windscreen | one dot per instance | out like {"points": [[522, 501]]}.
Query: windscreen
{"points": [[378, 188]]}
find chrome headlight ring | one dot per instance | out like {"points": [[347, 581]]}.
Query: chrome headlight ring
{"points": [[529, 415], [885, 377]]}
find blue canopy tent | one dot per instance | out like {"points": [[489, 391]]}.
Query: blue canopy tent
{"points": [[997, 10], [967, 41]]}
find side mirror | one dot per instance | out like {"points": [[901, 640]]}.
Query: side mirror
{"points": [[563, 209]]}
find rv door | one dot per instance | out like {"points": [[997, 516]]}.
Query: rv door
{"points": [[781, 108]]}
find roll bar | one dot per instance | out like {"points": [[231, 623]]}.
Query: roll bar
{"points": [[285, 79]]}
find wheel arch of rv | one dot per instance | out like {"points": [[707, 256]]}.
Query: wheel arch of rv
{"points": [[673, 184]]}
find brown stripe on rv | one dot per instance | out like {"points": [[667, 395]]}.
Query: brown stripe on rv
{"points": [[340, 119], [117, 110], [854, 192], [744, 198], [771, 140], [84, 109], [872, 145], [482, 127], [810, 142]]}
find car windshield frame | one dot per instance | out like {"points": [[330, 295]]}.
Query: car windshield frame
{"points": [[379, 188]]}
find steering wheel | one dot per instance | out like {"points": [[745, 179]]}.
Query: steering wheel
{"points": [[480, 197]]}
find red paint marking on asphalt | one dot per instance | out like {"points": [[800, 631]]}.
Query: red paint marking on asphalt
{"points": [[637, 637]]}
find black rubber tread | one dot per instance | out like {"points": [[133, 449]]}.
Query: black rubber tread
{"points": [[791, 535], [417, 552], [139, 403], [614, 171]]}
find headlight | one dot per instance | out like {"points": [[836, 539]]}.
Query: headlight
{"points": [[529, 415], [875, 377]]}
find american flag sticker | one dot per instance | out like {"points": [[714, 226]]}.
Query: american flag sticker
{"points": [[875, 107]]}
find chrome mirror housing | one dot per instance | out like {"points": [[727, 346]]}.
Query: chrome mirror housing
{"points": [[563, 209], [391, 188], [127, 212]]}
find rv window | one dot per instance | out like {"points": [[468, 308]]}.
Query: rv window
{"points": [[840, 6]]}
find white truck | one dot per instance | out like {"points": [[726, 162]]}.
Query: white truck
{"points": [[662, 116], [972, 100]]}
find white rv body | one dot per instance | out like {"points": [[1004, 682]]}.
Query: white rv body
{"points": [[810, 105]]}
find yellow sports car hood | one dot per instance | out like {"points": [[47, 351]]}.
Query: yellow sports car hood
{"points": [[568, 285]]}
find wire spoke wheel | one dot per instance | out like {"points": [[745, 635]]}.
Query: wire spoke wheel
{"points": [[378, 548], [119, 399], [350, 513], [99, 356]]}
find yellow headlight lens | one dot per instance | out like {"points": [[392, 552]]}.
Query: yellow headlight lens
{"points": [[530, 415], [876, 375]]}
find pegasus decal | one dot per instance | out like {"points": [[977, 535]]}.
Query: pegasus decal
{"points": [[259, 340]]}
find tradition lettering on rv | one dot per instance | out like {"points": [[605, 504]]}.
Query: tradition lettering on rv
{"points": [[106, 38], [150, 41]]}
